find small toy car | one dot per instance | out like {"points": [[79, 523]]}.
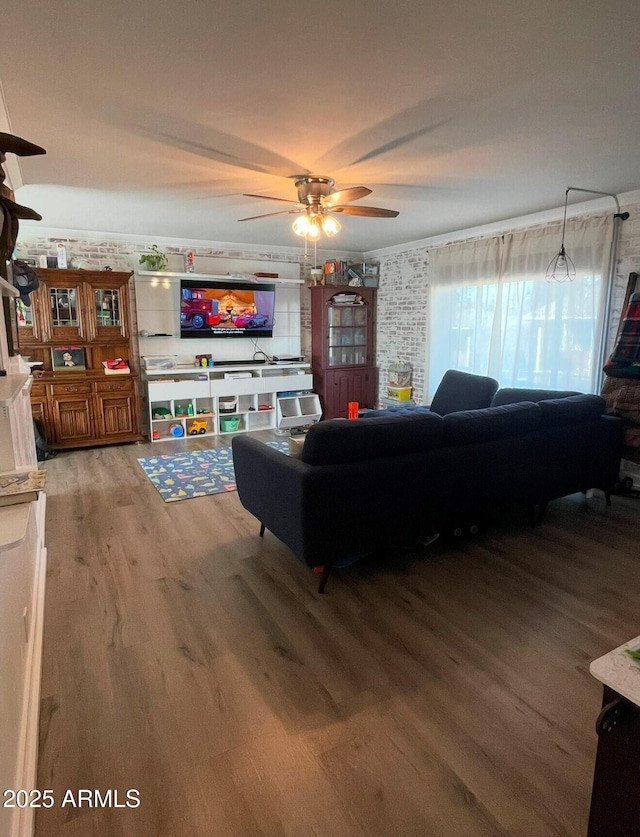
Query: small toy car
{"points": [[197, 427]]}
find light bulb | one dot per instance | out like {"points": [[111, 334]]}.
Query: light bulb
{"points": [[301, 225], [330, 226], [314, 229]]}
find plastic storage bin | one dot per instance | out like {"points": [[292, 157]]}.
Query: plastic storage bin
{"points": [[399, 393], [229, 423], [400, 374], [228, 404], [160, 361]]}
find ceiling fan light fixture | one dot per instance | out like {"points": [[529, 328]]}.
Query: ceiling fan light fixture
{"points": [[301, 226], [316, 204], [330, 225], [314, 229]]}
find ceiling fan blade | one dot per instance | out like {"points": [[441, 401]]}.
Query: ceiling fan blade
{"points": [[346, 195], [269, 198], [366, 211], [269, 214]]}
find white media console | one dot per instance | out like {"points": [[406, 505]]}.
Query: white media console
{"points": [[191, 401]]}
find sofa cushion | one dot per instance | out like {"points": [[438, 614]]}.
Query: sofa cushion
{"points": [[462, 391], [343, 440], [575, 408], [396, 411], [476, 426], [513, 396]]}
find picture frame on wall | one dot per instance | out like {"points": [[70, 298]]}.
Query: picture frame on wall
{"points": [[68, 359]]}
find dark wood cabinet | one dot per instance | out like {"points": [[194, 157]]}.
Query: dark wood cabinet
{"points": [[115, 403], [88, 312], [342, 347], [349, 385], [72, 418], [615, 797]]}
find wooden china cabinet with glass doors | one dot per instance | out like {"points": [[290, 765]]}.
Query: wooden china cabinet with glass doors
{"points": [[342, 347], [86, 312]]}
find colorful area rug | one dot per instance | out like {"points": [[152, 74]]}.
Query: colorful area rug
{"points": [[194, 473]]}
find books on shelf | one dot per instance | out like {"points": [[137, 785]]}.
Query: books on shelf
{"points": [[20, 486], [117, 366]]}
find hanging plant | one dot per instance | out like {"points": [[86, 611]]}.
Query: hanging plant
{"points": [[155, 259]]}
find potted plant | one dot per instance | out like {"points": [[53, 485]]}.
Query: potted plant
{"points": [[155, 259]]}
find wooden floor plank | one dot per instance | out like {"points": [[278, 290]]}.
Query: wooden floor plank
{"points": [[434, 693]]}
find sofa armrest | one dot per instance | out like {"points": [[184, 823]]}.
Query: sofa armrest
{"points": [[270, 486]]}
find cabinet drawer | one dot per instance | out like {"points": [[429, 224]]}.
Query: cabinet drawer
{"points": [[236, 386], [72, 388], [38, 390], [178, 390], [115, 386], [287, 383]]}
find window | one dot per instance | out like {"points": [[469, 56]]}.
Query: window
{"points": [[492, 312]]}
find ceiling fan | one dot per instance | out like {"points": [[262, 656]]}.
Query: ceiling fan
{"points": [[316, 204]]}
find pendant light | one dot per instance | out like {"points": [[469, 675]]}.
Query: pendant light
{"points": [[561, 267]]}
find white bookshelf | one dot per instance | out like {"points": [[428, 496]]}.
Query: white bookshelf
{"points": [[213, 401]]}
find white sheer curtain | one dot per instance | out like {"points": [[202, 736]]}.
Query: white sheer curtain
{"points": [[492, 312]]}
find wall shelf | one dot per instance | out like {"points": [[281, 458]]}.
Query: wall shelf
{"points": [[240, 277], [8, 290]]}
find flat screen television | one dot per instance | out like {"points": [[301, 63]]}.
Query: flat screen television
{"points": [[226, 309]]}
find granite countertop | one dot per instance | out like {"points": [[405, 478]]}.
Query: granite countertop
{"points": [[619, 671]]}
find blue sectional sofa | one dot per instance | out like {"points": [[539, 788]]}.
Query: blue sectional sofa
{"points": [[366, 484]]}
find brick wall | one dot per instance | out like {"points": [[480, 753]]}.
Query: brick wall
{"points": [[401, 330]]}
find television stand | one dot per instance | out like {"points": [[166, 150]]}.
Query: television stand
{"points": [[203, 402]]}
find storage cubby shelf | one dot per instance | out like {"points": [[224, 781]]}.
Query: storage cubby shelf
{"points": [[275, 397]]}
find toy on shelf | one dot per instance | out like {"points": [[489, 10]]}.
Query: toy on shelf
{"points": [[161, 413], [197, 427], [176, 430]]}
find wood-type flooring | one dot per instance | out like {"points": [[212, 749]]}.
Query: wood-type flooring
{"points": [[440, 692]]}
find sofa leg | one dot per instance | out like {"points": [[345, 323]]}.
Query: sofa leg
{"points": [[541, 510], [532, 515], [607, 497], [262, 528], [326, 571]]}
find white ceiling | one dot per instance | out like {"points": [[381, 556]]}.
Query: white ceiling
{"points": [[157, 116]]}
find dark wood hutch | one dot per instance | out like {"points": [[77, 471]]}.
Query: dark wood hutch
{"points": [[342, 347], [89, 313]]}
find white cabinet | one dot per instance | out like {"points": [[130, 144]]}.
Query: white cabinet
{"points": [[297, 411], [22, 583], [17, 444], [191, 402]]}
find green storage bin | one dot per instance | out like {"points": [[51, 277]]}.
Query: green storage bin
{"points": [[229, 423]]}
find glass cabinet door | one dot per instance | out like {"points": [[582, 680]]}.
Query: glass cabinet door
{"points": [[30, 329], [107, 307], [347, 337], [109, 313], [64, 306], [24, 315]]}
